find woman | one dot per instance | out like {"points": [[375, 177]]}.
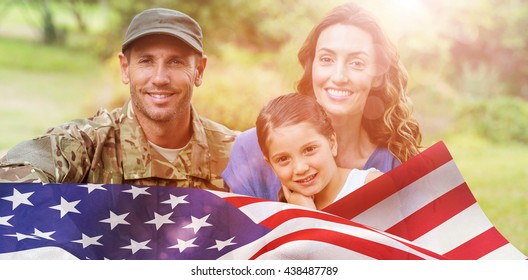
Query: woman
{"points": [[354, 72]]}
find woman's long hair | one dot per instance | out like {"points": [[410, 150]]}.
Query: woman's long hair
{"points": [[387, 115]]}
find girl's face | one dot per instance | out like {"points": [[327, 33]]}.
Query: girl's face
{"points": [[302, 158], [343, 69]]}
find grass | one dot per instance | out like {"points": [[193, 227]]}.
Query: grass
{"points": [[44, 86]]}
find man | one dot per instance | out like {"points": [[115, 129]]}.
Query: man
{"points": [[156, 138]]}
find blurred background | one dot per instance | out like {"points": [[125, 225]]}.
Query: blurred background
{"points": [[467, 62]]}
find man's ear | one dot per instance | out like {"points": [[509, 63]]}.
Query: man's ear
{"points": [[123, 62], [200, 68]]}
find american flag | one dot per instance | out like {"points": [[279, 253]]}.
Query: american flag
{"points": [[93, 221]]}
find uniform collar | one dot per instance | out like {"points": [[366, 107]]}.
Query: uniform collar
{"points": [[141, 160]]}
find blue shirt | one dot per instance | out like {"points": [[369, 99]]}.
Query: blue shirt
{"points": [[247, 172]]}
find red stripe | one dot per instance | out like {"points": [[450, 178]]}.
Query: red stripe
{"points": [[289, 214], [283, 216], [479, 246], [434, 214], [366, 247], [391, 182], [240, 201]]}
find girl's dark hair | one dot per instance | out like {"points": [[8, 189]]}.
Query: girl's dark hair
{"points": [[290, 109]]}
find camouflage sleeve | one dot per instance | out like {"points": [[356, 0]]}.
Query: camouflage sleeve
{"points": [[59, 156], [22, 173]]}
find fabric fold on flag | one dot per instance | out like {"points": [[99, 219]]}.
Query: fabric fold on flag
{"points": [[427, 201]]}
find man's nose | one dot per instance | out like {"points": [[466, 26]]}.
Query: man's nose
{"points": [[161, 75]]}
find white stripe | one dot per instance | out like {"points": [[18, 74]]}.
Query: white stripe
{"points": [[298, 224], [260, 211], [224, 194], [416, 195], [312, 250], [454, 232], [44, 253], [506, 252]]}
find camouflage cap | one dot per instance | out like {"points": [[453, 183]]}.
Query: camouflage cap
{"points": [[165, 21]]}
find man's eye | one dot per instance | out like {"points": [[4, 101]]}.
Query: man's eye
{"points": [[177, 62]]}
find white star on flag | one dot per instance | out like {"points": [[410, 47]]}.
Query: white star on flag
{"points": [[92, 187], [45, 235], [182, 245], [115, 220], [4, 219], [65, 207], [175, 200], [21, 236], [222, 244], [135, 191], [160, 220], [136, 246], [19, 198], [87, 241], [197, 224]]}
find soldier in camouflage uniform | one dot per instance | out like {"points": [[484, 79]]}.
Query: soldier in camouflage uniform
{"points": [[156, 138]]}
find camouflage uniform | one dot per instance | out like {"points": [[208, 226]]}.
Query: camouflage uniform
{"points": [[112, 148]]}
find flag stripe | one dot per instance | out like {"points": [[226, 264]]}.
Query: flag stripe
{"points": [[284, 251], [286, 216], [412, 198], [461, 228], [258, 212], [241, 201], [429, 217], [391, 182], [479, 246], [362, 246], [506, 252], [312, 250]]}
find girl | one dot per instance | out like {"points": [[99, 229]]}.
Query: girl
{"points": [[298, 141]]}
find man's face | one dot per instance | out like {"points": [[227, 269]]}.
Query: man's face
{"points": [[161, 71]]}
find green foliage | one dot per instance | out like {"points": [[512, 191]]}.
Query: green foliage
{"points": [[31, 56], [500, 119]]}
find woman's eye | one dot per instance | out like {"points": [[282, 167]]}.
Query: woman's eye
{"points": [[326, 60], [358, 64], [310, 149]]}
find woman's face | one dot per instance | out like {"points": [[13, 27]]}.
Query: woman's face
{"points": [[343, 69]]}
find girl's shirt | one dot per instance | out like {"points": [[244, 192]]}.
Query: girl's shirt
{"points": [[356, 178]]}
